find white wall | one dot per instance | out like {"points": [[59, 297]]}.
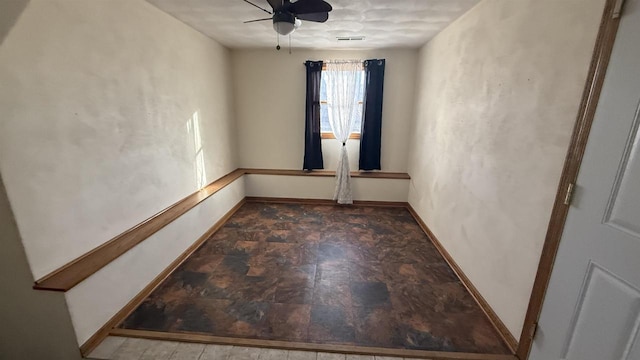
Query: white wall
{"points": [[96, 98], [497, 97], [270, 104], [316, 187]]}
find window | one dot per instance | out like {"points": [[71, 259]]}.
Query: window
{"points": [[325, 127]]}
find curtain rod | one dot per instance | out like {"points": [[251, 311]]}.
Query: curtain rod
{"points": [[345, 61], [354, 61]]}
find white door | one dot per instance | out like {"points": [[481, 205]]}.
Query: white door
{"points": [[592, 307]]}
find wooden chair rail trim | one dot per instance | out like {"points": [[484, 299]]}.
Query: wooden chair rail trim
{"points": [[74, 272], [333, 348], [103, 332], [77, 270], [329, 173], [500, 327]]}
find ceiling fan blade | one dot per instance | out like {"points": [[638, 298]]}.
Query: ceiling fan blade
{"points": [[309, 6], [275, 4], [317, 17], [250, 21], [259, 7]]}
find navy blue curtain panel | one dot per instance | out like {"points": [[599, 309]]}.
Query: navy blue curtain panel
{"points": [[312, 139], [371, 135]]}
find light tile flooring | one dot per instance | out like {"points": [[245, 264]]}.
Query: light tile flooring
{"points": [[121, 348]]}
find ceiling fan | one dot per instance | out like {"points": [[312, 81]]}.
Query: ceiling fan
{"points": [[286, 15]]}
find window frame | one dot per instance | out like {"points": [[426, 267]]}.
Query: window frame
{"points": [[329, 134]]}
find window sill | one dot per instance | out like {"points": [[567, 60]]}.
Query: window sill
{"points": [[328, 135]]}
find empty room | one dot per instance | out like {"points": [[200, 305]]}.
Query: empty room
{"points": [[319, 179]]}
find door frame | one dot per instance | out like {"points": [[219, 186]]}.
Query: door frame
{"points": [[591, 94]]}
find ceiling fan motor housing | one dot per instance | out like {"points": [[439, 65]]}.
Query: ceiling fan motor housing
{"points": [[284, 22]]}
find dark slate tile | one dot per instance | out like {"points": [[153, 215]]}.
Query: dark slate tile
{"points": [[372, 271], [376, 326], [236, 264], [328, 292], [276, 238], [370, 294], [422, 340], [308, 253], [331, 252], [331, 324], [336, 272], [194, 319], [255, 288], [302, 276], [192, 279], [249, 312], [288, 322], [294, 295], [212, 291], [149, 315], [202, 262]]}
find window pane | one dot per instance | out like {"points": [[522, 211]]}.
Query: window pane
{"points": [[324, 119], [357, 119]]}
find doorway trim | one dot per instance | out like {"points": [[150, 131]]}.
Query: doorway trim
{"points": [[586, 113]]}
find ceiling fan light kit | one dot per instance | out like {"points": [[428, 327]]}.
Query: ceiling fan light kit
{"points": [[284, 23]]}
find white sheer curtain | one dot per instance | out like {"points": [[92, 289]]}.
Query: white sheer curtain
{"points": [[342, 82]]}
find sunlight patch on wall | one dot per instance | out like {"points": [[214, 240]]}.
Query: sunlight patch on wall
{"points": [[193, 127]]}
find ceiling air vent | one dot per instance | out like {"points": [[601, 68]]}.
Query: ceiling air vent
{"points": [[350, 38]]}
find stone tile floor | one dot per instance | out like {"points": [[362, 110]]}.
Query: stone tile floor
{"points": [[120, 348], [349, 275]]}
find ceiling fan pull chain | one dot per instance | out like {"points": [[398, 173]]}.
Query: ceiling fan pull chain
{"points": [[289, 44]]}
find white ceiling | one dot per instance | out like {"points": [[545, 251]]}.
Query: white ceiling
{"points": [[384, 23]]}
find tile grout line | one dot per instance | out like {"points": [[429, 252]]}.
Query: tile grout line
{"points": [[173, 352], [201, 352], [147, 349]]}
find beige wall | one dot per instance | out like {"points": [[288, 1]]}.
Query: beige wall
{"points": [[270, 103], [498, 95], [11, 11], [35, 324], [97, 97]]}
